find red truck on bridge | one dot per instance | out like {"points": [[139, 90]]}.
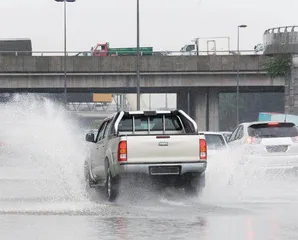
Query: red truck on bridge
{"points": [[103, 49]]}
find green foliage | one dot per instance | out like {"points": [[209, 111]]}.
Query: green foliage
{"points": [[279, 65]]}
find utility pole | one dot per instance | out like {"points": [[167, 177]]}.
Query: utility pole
{"points": [[238, 63], [138, 58], [65, 53]]}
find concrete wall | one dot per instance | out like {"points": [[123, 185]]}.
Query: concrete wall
{"points": [[291, 88], [37, 73], [122, 83], [54, 64]]}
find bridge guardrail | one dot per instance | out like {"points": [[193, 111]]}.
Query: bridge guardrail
{"points": [[154, 53]]}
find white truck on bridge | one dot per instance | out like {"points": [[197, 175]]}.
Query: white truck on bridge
{"points": [[162, 145]]}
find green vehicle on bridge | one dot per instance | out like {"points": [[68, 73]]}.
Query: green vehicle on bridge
{"points": [[130, 51], [105, 50]]}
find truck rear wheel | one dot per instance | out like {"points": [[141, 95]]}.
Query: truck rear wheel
{"points": [[111, 187]]}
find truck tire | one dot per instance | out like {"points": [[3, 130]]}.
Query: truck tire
{"points": [[111, 187]]}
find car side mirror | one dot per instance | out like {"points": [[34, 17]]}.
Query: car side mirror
{"points": [[90, 137]]}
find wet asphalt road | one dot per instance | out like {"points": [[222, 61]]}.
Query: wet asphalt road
{"points": [[39, 204], [42, 196]]}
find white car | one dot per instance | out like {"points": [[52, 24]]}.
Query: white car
{"points": [[269, 145], [226, 134], [217, 146], [215, 141]]}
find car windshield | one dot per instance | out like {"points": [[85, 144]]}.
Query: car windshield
{"points": [[215, 141], [273, 130]]}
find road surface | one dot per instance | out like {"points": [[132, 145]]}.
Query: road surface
{"points": [[42, 193]]}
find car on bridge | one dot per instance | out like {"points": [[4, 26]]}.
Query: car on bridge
{"points": [[162, 145]]}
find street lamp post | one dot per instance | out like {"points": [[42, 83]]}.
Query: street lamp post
{"points": [[65, 35], [238, 61], [138, 57]]}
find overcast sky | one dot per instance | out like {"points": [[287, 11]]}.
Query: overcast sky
{"points": [[165, 24]]}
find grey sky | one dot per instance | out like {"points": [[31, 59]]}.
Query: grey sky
{"points": [[165, 24]]}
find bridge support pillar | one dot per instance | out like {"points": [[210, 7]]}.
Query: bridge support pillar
{"points": [[183, 100], [202, 105], [213, 105], [199, 108]]}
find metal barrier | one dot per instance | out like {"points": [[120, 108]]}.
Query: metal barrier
{"points": [[90, 106], [281, 40], [155, 53]]}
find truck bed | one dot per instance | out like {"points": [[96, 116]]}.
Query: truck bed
{"points": [[168, 148]]}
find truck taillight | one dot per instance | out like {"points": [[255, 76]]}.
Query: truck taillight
{"points": [[122, 151], [203, 149]]}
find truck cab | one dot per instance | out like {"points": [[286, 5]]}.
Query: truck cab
{"points": [[100, 49]]}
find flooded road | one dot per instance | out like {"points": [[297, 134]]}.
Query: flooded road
{"points": [[43, 209], [43, 196]]}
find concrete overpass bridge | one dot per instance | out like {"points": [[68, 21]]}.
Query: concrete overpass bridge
{"points": [[106, 74], [197, 80]]}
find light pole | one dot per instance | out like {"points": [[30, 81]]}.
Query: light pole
{"points": [[65, 69], [138, 57], [238, 61], [166, 101]]}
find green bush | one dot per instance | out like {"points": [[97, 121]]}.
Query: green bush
{"points": [[279, 65]]}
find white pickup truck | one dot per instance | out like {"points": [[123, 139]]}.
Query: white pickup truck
{"points": [[157, 144]]}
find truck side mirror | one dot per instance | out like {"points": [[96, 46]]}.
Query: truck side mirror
{"points": [[90, 137]]}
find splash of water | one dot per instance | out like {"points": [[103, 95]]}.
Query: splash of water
{"points": [[230, 181], [44, 151]]}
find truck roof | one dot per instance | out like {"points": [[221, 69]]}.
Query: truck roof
{"points": [[141, 112], [153, 112]]}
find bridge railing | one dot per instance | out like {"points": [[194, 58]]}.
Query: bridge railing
{"points": [[93, 107], [154, 53]]}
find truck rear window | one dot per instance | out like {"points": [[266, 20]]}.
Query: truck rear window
{"points": [[142, 123], [273, 130]]}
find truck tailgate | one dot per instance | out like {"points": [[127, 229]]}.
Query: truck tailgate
{"points": [[151, 149]]}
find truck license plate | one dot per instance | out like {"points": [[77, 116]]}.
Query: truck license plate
{"points": [[165, 170]]}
